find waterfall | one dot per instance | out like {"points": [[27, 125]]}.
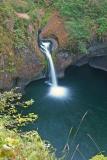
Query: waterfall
{"points": [[55, 90], [45, 48]]}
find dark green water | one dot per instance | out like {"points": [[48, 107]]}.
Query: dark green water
{"points": [[87, 92]]}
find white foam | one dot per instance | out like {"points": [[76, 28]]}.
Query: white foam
{"points": [[58, 92]]}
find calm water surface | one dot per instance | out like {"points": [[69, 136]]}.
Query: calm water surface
{"points": [[87, 92]]}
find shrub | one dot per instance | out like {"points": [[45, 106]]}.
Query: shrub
{"points": [[14, 144], [99, 157]]}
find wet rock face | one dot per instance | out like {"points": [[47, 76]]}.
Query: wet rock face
{"points": [[97, 57], [99, 62], [63, 60], [5, 81]]}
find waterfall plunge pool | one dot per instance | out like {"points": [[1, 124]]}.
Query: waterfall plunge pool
{"points": [[87, 93]]}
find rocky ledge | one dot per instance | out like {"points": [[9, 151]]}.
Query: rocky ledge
{"points": [[99, 62], [96, 57]]}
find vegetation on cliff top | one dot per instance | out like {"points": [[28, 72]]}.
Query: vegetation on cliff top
{"points": [[84, 20]]}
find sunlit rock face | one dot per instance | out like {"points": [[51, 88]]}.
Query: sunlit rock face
{"points": [[55, 28], [58, 92]]}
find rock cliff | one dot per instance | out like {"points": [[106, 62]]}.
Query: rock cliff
{"points": [[19, 66], [71, 26]]}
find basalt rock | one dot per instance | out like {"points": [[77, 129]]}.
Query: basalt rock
{"points": [[96, 57], [26, 68], [99, 62], [63, 60]]}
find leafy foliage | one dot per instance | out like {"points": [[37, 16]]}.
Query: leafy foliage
{"points": [[15, 145], [99, 157], [10, 102], [28, 146]]}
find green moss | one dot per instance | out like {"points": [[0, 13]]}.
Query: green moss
{"points": [[5, 41], [18, 36]]}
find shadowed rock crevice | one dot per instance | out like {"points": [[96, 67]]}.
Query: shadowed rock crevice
{"points": [[99, 62]]}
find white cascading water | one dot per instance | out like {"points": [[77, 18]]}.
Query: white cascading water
{"points": [[55, 90], [52, 68]]}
